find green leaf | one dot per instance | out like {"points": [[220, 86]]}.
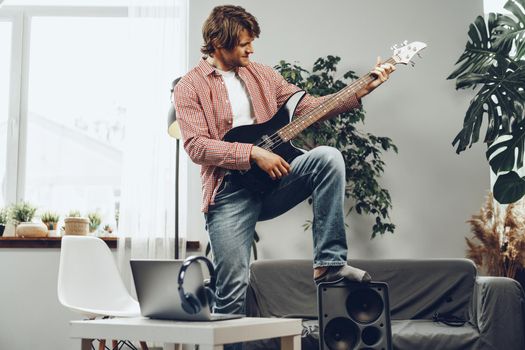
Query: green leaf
{"points": [[505, 160], [499, 98], [479, 54], [509, 188], [511, 31]]}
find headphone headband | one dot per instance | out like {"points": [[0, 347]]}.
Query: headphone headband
{"points": [[189, 261], [191, 303]]}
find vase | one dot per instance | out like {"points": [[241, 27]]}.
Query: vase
{"points": [[31, 230]]}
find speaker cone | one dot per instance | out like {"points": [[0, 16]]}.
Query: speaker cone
{"points": [[364, 305], [371, 335], [341, 334]]}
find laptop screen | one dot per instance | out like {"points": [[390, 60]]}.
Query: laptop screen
{"points": [[157, 289]]}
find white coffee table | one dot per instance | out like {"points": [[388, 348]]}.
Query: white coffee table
{"points": [[209, 335]]}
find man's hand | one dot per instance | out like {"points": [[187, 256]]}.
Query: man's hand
{"points": [[382, 72], [270, 162]]}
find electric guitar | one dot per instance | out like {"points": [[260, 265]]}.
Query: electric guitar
{"points": [[276, 134]]}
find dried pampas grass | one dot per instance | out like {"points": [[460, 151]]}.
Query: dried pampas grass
{"points": [[498, 245]]}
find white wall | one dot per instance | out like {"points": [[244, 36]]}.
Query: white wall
{"points": [[434, 191], [31, 316]]}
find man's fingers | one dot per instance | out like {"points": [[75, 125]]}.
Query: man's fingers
{"points": [[285, 166]]}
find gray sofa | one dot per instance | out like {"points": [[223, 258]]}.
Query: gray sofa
{"points": [[493, 307]]}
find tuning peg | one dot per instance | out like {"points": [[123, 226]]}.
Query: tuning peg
{"points": [[393, 47], [419, 55], [405, 42], [412, 63]]}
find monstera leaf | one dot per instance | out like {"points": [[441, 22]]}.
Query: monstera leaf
{"points": [[512, 30], [500, 99], [505, 160], [479, 53], [509, 188]]}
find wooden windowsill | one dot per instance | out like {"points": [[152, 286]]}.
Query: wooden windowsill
{"points": [[55, 242]]}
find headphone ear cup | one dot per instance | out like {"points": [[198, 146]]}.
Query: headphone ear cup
{"points": [[210, 296], [191, 304]]}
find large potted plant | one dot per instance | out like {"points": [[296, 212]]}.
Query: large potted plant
{"points": [[493, 63], [361, 151]]}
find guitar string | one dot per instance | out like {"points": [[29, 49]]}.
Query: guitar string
{"points": [[275, 140]]}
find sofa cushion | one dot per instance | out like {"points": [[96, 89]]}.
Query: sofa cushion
{"points": [[429, 335], [417, 288], [406, 335]]}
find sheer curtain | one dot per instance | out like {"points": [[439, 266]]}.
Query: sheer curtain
{"points": [[157, 55]]}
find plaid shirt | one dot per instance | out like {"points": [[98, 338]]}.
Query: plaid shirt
{"points": [[205, 116]]}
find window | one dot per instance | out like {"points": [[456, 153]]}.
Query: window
{"points": [[76, 113], [62, 115], [87, 85], [5, 59]]}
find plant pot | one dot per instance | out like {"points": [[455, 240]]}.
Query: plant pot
{"points": [[2, 228], [51, 225], [31, 229], [76, 226]]}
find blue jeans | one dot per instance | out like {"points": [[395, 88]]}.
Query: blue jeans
{"points": [[319, 173]]}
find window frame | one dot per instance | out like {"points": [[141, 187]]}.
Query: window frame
{"points": [[17, 124]]}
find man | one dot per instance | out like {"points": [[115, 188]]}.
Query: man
{"points": [[227, 90]]}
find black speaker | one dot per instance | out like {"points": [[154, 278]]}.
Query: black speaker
{"points": [[354, 315]]}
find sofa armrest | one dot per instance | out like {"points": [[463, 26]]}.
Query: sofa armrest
{"points": [[498, 311]]}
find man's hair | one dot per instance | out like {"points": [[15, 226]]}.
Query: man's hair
{"points": [[224, 25]]}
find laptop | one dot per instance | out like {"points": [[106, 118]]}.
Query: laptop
{"points": [[157, 290]]}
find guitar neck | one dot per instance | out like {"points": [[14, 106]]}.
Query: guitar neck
{"points": [[294, 128]]}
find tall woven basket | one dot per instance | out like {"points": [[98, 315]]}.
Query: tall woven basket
{"points": [[76, 226]]}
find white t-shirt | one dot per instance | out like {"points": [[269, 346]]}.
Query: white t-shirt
{"points": [[239, 100]]}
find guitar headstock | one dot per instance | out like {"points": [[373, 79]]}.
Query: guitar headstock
{"points": [[405, 53]]}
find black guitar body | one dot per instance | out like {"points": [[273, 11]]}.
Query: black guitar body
{"points": [[265, 135]]}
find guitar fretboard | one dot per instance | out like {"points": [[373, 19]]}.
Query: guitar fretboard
{"points": [[294, 128]]}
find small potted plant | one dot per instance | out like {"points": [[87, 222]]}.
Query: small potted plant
{"points": [[3, 220], [94, 221], [21, 215], [50, 219], [75, 224], [108, 230]]}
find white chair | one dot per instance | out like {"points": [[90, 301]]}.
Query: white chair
{"points": [[89, 282]]}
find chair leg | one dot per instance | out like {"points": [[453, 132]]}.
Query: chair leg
{"points": [[143, 345], [102, 344], [114, 345]]}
